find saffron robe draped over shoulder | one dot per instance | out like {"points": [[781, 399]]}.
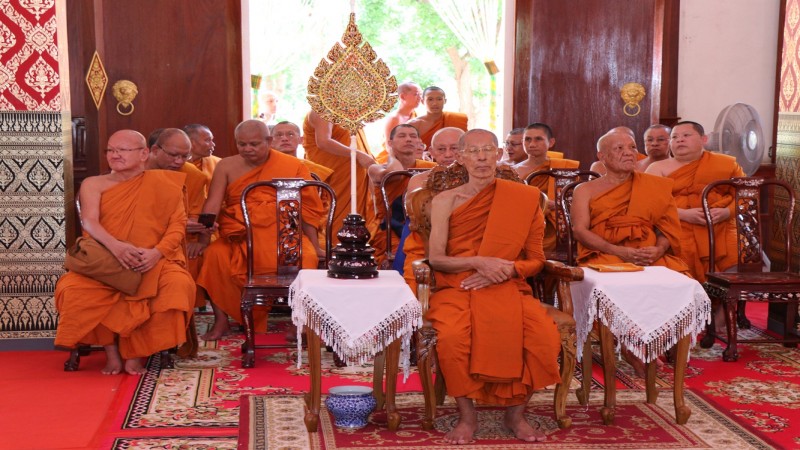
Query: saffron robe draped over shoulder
{"points": [[496, 344], [225, 264], [395, 189], [629, 215], [196, 192], [449, 119], [206, 164], [690, 180], [548, 186], [340, 178], [149, 211]]}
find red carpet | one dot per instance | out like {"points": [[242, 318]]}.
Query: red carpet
{"points": [[197, 404]]}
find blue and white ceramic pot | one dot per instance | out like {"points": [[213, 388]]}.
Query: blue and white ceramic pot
{"points": [[350, 405]]}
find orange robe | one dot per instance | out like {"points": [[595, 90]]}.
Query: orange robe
{"points": [[149, 211], [690, 180], [319, 170], [548, 186], [449, 119], [196, 192], [225, 263], [340, 178], [496, 344], [206, 164], [393, 190], [629, 215]]}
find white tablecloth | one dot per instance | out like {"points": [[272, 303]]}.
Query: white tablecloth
{"points": [[358, 318], [648, 311]]}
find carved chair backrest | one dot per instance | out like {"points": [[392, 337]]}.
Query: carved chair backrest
{"points": [[563, 207], [562, 178], [418, 202], [747, 193], [288, 218], [387, 203]]}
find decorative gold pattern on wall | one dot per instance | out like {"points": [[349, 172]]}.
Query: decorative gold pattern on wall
{"points": [[789, 100], [788, 169], [96, 79]]}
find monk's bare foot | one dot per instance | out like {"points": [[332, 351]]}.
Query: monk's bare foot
{"points": [[113, 361], [464, 431], [134, 366], [515, 421], [218, 331]]}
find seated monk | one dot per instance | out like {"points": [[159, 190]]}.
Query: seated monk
{"points": [[496, 343], [626, 216], [598, 166], [403, 145], [537, 141], [202, 148], [225, 265], [656, 146], [140, 217], [435, 118], [286, 138], [444, 151]]}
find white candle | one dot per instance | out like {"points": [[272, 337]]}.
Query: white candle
{"points": [[353, 150]]}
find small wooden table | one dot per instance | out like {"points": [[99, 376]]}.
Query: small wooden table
{"points": [[359, 319], [648, 312]]}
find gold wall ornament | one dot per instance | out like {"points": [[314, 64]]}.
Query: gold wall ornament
{"points": [[96, 79], [632, 93], [352, 86], [124, 91]]}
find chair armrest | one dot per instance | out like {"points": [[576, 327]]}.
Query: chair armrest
{"points": [[422, 275], [562, 275]]}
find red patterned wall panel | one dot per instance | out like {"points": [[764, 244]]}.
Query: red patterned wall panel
{"points": [[29, 78]]}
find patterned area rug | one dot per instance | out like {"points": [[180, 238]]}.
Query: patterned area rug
{"points": [[277, 422]]}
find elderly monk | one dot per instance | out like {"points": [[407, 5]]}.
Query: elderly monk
{"points": [[435, 118], [140, 217], [170, 151], [626, 216], [537, 141], [329, 145], [202, 148], [656, 146], [496, 343], [225, 265], [692, 168], [444, 150], [403, 144], [410, 96], [286, 137], [513, 150], [598, 166]]}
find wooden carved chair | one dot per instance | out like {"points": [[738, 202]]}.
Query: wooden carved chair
{"points": [[390, 177], [749, 283], [418, 205], [561, 178], [265, 290], [166, 356]]}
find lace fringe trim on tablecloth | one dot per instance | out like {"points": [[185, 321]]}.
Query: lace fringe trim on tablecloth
{"points": [[690, 320], [399, 324]]}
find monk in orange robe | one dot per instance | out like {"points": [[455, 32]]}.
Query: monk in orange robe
{"points": [[329, 145], [170, 150], [693, 168], [599, 167], [225, 261], [626, 216], [202, 149], [140, 217], [403, 141], [537, 139], [286, 137], [436, 118], [445, 151], [409, 95], [496, 343]]}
